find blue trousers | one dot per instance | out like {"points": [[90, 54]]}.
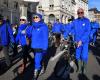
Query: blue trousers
{"points": [[38, 59], [82, 52]]}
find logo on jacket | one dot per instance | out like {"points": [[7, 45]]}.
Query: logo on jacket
{"points": [[83, 24], [38, 29]]}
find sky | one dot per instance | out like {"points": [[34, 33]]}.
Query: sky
{"points": [[94, 3]]}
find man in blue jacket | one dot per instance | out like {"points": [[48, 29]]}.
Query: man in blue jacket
{"points": [[57, 30], [94, 28], [81, 30], [38, 33], [6, 36]]}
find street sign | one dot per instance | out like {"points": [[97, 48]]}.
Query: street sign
{"points": [[32, 0]]}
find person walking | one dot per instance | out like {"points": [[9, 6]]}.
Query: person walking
{"points": [[81, 29], [6, 36], [38, 33]]}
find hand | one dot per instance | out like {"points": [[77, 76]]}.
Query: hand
{"points": [[79, 43]]}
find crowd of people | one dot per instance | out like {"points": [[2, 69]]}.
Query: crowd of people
{"points": [[36, 38]]}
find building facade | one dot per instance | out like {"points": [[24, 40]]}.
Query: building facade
{"points": [[10, 9], [61, 9], [56, 9], [94, 13], [50, 9], [13, 9]]}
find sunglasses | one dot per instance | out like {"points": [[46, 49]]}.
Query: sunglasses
{"points": [[35, 17], [80, 12], [22, 20]]}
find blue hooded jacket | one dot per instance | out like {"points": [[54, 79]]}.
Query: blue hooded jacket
{"points": [[57, 27], [38, 33], [6, 34], [20, 36], [81, 28]]}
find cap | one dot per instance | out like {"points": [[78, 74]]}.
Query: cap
{"points": [[23, 17], [37, 14]]}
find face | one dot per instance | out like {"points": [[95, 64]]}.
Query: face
{"points": [[80, 13], [36, 19], [22, 21]]}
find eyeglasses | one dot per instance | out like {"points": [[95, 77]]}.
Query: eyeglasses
{"points": [[80, 12], [35, 17], [22, 20]]}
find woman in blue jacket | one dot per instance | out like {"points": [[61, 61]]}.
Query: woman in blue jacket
{"points": [[22, 40], [38, 33]]}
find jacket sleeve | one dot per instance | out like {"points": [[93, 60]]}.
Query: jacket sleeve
{"points": [[45, 34], [68, 31], [87, 32], [97, 25], [65, 33], [10, 31], [29, 31], [17, 37]]}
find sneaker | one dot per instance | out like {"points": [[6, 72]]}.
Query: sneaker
{"points": [[36, 73]]}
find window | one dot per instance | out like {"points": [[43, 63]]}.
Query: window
{"points": [[15, 4], [51, 4], [5, 2], [40, 7], [51, 7]]}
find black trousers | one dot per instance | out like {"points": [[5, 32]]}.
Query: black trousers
{"points": [[25, 55]]}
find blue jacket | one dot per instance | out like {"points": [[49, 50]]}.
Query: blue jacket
{"points": [[94, 27], [67, 30], [21, 38], [57, 28], [6, 34], [38, 33], [81, 28]]}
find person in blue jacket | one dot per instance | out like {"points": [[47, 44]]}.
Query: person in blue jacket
{"points": [[67, 28], [81, 30], [94, 28], [38, 33], [21, 39], [6, 36], [57, 30]]}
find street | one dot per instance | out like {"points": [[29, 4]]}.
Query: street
{"points": [[93, 68]]}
